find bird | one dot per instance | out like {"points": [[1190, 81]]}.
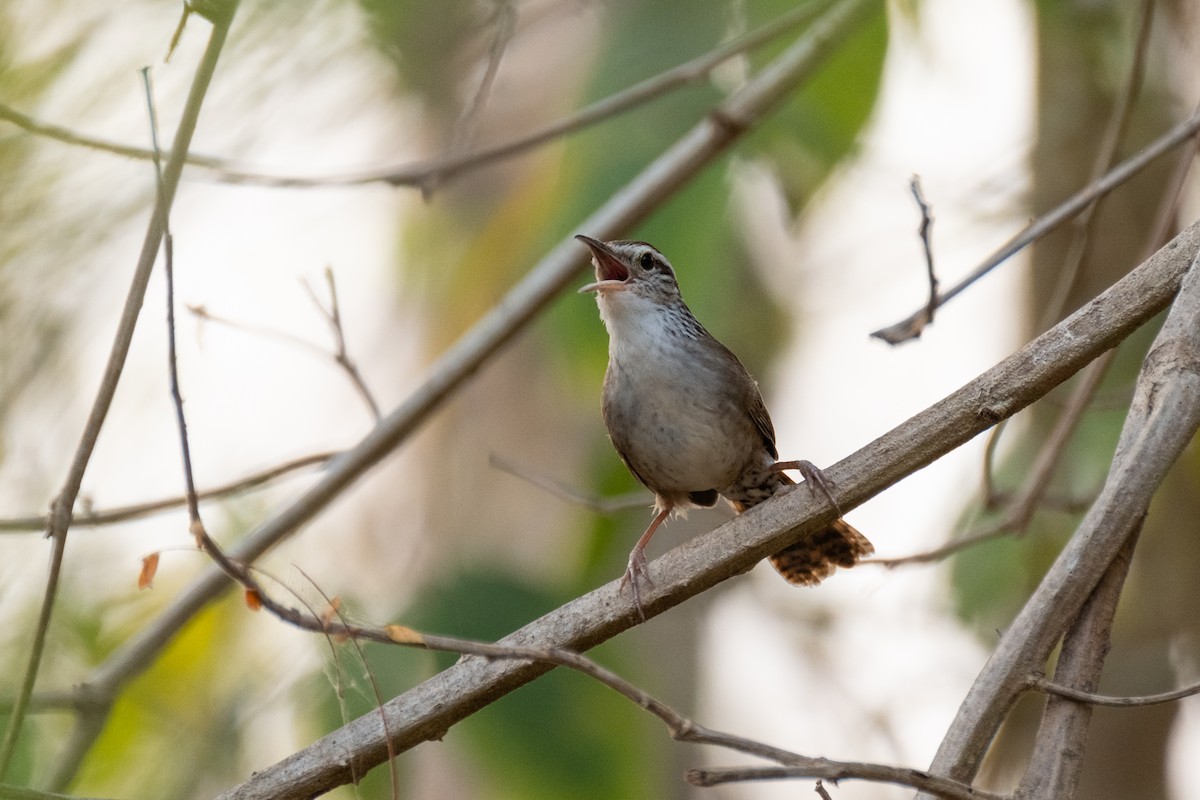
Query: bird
{"points": [[687, 418]]}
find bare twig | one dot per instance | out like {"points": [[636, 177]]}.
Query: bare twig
{"points": [[1106, 155], [64, 502], [505, 22], [901, 331], [680, 727], [572, 494], [834, 771], [1019, 511], [333, 315], [8, 792], [1043, 685], [923, 230], [442, 169], [93, 518], [185, 447]]}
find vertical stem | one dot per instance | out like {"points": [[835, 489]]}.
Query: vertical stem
{"points": [[62, 508]]}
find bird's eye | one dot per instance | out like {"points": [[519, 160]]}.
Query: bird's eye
{"points": [[647, 261]]}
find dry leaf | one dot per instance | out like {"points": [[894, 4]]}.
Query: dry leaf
{"points": [[335, 605], [401, 634], [149, 568]]}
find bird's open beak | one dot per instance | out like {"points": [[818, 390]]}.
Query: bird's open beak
{"points": [[611, 274]]}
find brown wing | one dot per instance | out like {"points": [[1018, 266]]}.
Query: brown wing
{"points": [[753, 402], [762, 421]]}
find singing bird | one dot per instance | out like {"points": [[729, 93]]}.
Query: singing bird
{"points": [[687, 418]]}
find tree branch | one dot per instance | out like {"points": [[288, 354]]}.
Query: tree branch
{"points": [[1043, 685], [1057, 762]]}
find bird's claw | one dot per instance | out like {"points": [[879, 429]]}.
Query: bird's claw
{"points": [[812, 474], [636, 573]]}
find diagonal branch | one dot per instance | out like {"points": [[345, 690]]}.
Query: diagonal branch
{"points": [[428, 710], [909, 328], [442, 169]]}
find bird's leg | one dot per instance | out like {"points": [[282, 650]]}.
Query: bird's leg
{"points": [[637, 570], [813, 474]]}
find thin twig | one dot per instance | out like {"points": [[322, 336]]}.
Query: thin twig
{"points": [[1018, 512], [505, 22], [341, 355], [991, 494], [1106, 155], [834, 771], [1032, 494], [332, 315], [924, 231], [8, 792], [905, 329], [572, 494], [442, 169], [680, 727], [1042, 684], [185, 447], [93, 518], [64, 502]]}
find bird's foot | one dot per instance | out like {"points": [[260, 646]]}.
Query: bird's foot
{"points": [[812, 474], [637, 573]]}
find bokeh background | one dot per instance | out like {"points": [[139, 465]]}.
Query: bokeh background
{"points": [[791, 250]]}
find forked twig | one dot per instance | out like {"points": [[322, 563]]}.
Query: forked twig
{"points": [[902, 331]]}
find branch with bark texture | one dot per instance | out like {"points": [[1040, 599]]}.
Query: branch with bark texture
{"points": [[428, 710]]}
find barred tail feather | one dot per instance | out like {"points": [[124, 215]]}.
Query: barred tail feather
{"points": [[814, 558]]}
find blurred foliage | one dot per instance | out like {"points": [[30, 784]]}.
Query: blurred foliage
{"points": [[563, 735], [186, 702]]}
